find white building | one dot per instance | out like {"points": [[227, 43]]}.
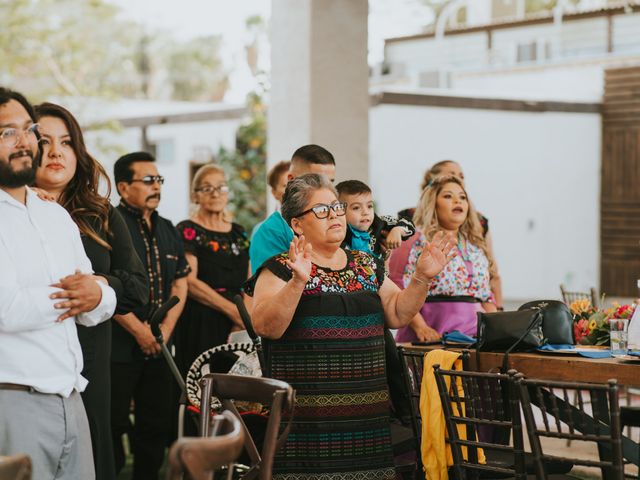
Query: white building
{"points": [[181, 135], [517, 101]]}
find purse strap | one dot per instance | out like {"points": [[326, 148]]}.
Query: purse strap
{"points": [[537, 318]]}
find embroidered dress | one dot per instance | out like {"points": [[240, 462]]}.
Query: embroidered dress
{"points": [[223, 264], [455, 294], [332, 353]]}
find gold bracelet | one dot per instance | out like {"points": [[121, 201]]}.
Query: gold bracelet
{"points": [[420, 281]]}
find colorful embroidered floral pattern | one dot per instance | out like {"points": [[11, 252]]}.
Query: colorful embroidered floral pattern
{"points": [[455, 280], [360, 274], [232, 242], [189, 233]]}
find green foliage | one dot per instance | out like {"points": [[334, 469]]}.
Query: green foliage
{"points": [[246, 167], [85, 48], [195, 70]]}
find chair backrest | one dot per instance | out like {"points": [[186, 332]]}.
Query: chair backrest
{"points": [[278, 395], [199, 457], [412, 362], [570, 297], [477, 408], [15, 467], [564, 407]]}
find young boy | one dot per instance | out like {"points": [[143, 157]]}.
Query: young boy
{"points": [[365, 230]]}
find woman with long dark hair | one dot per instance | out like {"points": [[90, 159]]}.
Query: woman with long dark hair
{"points": [[73, 177]]}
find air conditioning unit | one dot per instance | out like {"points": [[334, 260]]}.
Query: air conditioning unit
{"points": [[533, 51], [434, 79]]}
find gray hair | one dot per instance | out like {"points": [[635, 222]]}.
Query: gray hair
{"points": [[299, 190]]}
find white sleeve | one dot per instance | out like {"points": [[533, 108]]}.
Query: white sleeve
{"points": [[23, 308], [104, 310], [26, 308]]}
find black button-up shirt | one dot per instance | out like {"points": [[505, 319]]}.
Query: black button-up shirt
{"points": [[162, 252]]}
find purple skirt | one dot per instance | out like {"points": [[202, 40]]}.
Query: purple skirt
{"points": [[445, 317]]}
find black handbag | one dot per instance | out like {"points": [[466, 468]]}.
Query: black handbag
{"points": [[557, 322], [510, 331]]}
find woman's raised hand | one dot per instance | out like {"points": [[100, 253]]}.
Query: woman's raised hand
{"points": [[300, 258], [435, 256]]}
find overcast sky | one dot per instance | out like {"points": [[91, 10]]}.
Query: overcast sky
{"points": [[189, 18]]}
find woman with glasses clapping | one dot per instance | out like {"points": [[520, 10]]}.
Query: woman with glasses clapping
{"points": [[218, 252], [321, 310]]}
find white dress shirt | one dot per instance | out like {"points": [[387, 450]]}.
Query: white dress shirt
{"points": [[39, 245]]}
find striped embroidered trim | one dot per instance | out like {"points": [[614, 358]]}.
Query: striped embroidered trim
{"points": [[346, 399], [380, 474], [338, 321], [367, 332]]}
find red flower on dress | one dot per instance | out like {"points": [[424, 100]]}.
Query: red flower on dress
{"points": [[189, 233], [214, 245]]}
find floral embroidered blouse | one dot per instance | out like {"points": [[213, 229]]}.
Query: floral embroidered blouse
{"points": [[223, 257], [459, 277], [363, 272]]}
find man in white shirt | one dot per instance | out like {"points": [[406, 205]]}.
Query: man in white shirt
{"points": [[46, 286]]}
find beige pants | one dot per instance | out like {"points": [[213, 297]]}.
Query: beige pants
{"points": [[51, 429]]}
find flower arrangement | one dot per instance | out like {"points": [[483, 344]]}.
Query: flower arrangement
{"points": [[591, 324]]}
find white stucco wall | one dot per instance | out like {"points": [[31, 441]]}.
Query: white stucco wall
{"points": [[536, 176], [186, 137]]}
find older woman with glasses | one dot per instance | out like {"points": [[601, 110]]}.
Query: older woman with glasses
{"points": [[321, 312], [218, 252]]}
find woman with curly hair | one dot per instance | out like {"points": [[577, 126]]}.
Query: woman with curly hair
{"points": [[73, 178], [463, 287]]}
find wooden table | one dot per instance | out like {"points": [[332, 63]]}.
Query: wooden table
{"points": [[557, 366], [552, 366]]}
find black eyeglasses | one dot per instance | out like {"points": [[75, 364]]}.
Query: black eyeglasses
{"points": [[149, 179], [210, 189], [322, 210]]}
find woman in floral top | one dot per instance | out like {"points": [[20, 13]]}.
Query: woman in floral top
{"points": [[217, 251], [463, 287]]}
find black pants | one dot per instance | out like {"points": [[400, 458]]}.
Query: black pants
{"points": [[148, 383], [96, 351], [400, 398]]}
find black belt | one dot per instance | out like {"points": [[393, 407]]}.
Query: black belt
{"points": [[15, 386], [451, 298]]}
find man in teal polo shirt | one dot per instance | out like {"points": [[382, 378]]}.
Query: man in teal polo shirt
{"points": [[273, 236]]}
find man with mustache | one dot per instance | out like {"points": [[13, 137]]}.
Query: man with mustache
{"points": [[136, 369], [43, 294]]}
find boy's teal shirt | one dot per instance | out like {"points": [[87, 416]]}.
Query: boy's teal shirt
{"points": [[360, 240]]}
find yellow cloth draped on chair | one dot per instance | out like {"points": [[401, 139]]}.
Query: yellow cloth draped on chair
{"points": [[436, 454]]}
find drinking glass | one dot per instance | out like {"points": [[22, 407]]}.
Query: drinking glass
{"points": [[619, 334]]}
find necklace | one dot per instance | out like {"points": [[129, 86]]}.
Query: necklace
{"points": [[464, 251]]}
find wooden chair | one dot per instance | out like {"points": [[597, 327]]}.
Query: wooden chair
{"points": [[278, 395], [570, 297], [487, 406], [563, 421], [15, 467], [482, 407], [412, 362], [199, 457]]}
